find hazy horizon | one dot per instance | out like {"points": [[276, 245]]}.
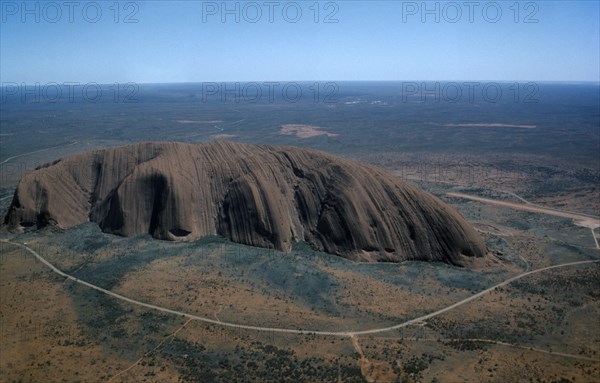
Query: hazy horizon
{"points": [[206, 41]]}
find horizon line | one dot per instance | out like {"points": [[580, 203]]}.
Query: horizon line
{"points": [[12, 83]]}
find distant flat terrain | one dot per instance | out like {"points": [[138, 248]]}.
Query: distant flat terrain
{"points": [[526, 176]]}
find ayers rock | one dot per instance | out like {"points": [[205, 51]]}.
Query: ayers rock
{"points": [[265, 196]]}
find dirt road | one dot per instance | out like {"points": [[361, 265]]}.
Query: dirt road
{"points": [[414, 321], [580, 219]]}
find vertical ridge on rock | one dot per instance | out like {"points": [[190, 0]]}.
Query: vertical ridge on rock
{"points": [[256, 195]]}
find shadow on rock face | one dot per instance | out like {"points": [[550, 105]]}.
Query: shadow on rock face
{"points": [[265, 196]]}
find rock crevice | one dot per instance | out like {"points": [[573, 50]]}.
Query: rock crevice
{"points": [[264, 196]]}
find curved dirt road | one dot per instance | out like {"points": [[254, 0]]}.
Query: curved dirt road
{"points": [[294, 331], [579, 219], [584, 220]]}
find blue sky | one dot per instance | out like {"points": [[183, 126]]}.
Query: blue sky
{"points": [[188, 41]]}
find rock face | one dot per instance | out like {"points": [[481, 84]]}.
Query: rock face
{"points": [[256, 195]]}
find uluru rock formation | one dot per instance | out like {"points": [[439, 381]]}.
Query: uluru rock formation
{"points": [[265, 196]]}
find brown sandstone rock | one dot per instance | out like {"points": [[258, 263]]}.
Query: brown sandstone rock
{"points": [[264, 196]]}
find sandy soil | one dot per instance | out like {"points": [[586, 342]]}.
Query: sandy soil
{"points": [[304, 131], [166, 282], [537, 318], [42, 339]]}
